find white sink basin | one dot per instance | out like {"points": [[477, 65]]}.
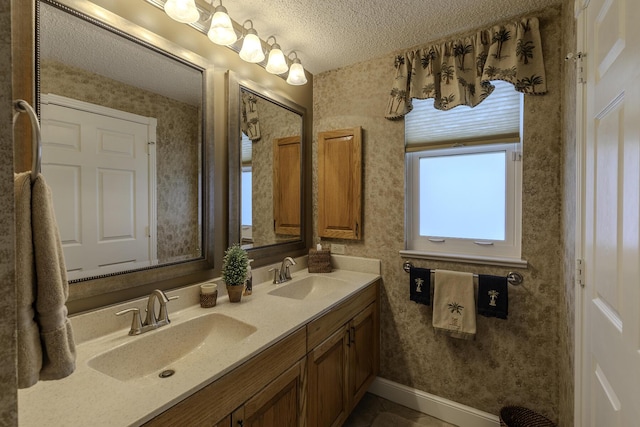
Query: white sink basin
{"points": [[309, 287], [164, 347]]}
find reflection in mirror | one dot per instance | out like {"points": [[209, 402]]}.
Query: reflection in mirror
{"points": [[122, 143], [271, 158]]}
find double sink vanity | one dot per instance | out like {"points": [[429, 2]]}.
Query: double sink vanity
{"points": [[298, 353]]}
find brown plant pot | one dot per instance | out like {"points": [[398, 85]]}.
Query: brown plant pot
{"points": [[235, 293]]}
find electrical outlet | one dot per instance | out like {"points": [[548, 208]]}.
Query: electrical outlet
{"points": [[337, 249]]}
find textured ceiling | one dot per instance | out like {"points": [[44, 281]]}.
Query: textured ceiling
{"points": [[329, 34]]}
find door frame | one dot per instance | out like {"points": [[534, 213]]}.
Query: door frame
{"points": [[579, 7]]}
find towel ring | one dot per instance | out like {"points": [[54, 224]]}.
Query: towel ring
{"points": [[22, 106], [513, 277]]}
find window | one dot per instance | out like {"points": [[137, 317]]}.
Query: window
{"points": [[246, 197], [464, 199]]}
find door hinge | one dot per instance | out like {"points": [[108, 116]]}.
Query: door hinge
{"points": [[578, 58], [516, 156], [580, 272]]}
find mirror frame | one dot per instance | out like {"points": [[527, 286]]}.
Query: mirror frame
{"points": [[108, 289], [275, 252]]}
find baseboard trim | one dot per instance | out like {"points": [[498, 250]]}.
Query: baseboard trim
{"points": [[430, 404]]}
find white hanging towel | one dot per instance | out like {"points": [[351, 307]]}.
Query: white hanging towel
{"points": [[454, 308]]}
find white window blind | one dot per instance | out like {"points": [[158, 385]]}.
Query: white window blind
{"points": [[246, 150], [496, 119]]}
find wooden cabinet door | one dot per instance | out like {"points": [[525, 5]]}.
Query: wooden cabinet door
{"points": [[286, 185], [226, 422], [327, 393], [340, 184], [363, 352], [278, 405]]}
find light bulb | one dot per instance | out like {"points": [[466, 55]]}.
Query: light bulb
{"points": [[296, 74], [184, 11], [277, 64], [252, 47], [221, 30]]}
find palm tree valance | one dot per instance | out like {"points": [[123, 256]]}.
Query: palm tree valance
{"points": [[459, 72], [250, 123]]}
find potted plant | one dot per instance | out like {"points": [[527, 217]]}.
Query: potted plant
{"points": [[234, 271]]}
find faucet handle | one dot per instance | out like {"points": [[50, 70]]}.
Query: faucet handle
{"points": [[163, 316], [136, 323], [276, 275]]}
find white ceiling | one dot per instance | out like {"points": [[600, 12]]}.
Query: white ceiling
{"points": [[330, 34]]}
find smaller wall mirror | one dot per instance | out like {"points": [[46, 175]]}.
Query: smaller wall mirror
{"points": [[266, 142]]}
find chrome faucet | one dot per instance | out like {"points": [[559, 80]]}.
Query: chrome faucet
{"points": [[282, 274], [151, 321], [285, 274]]}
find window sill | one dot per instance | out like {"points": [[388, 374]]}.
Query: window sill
{"points": [[504, 262]]}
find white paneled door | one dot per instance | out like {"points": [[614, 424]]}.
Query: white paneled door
{"points": [[609, 36], [96, 161]]}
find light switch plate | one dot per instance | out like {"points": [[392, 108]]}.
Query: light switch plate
{"points": [[337, 249]]}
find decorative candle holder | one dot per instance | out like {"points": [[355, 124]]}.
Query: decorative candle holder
{"points": [[208, 295]]}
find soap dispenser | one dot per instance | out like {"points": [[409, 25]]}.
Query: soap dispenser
{"points": [[248, 286]]}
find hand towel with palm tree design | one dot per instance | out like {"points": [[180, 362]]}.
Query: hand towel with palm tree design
{"points": [[420, 285], [493, 296], [250, 122], [454, 312]]}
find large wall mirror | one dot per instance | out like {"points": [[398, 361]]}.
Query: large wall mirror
{"points": [[267, 157], [124, 149]]}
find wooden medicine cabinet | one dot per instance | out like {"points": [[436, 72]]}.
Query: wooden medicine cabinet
{"points": [[286, 185], [340, 184]]}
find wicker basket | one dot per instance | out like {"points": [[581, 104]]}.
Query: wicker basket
{"points": [[319, 261], [518, 416]]}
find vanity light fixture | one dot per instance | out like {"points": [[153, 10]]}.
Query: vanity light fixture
{"points": [[184, 11], [277, 63], [251, 46], [296, 72], [221, 30]]}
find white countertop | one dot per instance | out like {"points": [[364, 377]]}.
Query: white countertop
{"points": [[89, 397]]}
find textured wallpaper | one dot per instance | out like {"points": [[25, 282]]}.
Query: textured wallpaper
{"points": [[511, 362], [177, 149], [567, 306], [8, 381], [275, 122]]}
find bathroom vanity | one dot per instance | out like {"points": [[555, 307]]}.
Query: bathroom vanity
{"points": [[269, 360]]}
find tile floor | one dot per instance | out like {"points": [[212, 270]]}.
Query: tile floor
{"points": [[371, 405]]}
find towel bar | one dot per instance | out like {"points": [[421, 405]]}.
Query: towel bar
{"points": [[513, 277], [22, 106]]}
